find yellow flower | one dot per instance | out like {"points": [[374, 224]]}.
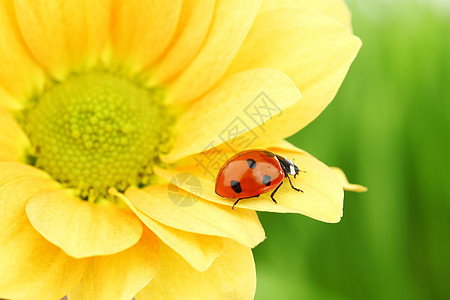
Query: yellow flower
{"points": [[103, 103]]}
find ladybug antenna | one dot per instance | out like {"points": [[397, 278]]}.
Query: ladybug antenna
{"points": [[295, 176]]}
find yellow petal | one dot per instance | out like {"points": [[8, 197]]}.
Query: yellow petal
{"points": [[322, 198], [8, 102], [197, 249], [191, 31], [202, 217], [120, 276], [229, 111], [312, 49], [347, 185], [231, 22], [232, 276], [142, 29], [31, 267], [336, 9], [10, 171], [13, 141], [64, 35], [80, 228], [19, 74]]}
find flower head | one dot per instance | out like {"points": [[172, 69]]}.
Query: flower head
{"points": [[115, 118]]}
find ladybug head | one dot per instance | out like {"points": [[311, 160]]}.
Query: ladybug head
{"points": [[288, 166]]}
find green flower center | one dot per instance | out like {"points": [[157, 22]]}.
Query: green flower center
{"points": [[96, 131]]}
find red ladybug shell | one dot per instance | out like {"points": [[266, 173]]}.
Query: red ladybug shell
{"points": [[249, 174]]}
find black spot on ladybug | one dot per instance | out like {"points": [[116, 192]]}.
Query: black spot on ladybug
{"points": [[267, 179], [236, 186], [268, 153], [251, 163]]}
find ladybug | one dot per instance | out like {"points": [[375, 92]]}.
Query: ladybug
{"points": [[253, 172]]}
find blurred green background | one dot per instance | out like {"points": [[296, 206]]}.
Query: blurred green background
{"points": [[389, 129]]}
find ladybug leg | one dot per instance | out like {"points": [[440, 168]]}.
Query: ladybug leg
{"points": [[236, 203], [241, 199], [274, 191], [292, 186]]}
